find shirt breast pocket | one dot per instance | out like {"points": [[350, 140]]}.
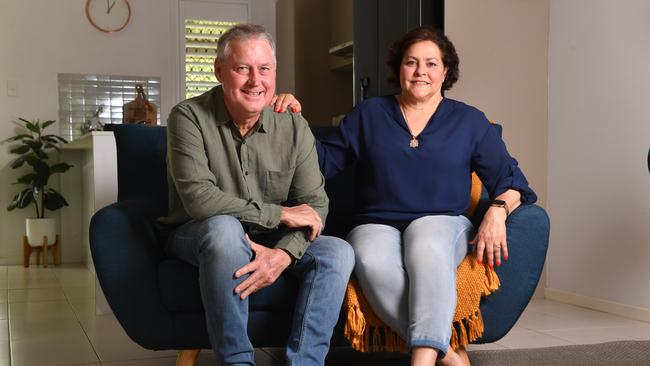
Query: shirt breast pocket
{"points": [[277, 185]]}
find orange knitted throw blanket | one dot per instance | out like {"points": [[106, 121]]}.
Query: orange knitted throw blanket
{"points": [[367, 333]]}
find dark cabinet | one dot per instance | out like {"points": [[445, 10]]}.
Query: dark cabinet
{"points": [[377, 24]]}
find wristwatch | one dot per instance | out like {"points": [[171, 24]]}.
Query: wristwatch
{"points": [[501, 203]]}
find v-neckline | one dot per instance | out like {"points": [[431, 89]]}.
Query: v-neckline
{"points": [[400, 118]]}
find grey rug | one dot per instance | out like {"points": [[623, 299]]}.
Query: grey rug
{"points": [[622, 353]]}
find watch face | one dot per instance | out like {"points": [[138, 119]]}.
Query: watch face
{"points": [[108, 15]]}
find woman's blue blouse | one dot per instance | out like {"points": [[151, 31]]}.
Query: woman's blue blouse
{"points": [[397, 183]]}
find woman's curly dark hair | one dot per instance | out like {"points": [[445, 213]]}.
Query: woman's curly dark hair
{"points": [[419, 34]]}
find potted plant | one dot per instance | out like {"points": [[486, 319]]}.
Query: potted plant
{"points": [[33, 147]]}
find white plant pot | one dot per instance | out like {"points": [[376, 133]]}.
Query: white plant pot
{"points": [[38, 228]]}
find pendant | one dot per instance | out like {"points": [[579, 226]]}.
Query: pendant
{"points": [[414, 142]]}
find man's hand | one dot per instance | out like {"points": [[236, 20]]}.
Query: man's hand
{"points": [[302, 216], [264, 269], [281, 102]]}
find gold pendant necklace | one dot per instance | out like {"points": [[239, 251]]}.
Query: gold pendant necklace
{"points": [[414, 143]]}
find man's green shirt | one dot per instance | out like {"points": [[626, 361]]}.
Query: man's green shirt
{"points": [[212, 170]]}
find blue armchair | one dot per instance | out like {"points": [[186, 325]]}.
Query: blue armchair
{"points": [[156, 298]]}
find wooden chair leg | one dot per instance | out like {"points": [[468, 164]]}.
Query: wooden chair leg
{"points": [[27, 251], [57, 252], [45, 257], [187, 357]]}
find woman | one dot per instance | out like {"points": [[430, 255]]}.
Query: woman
{"points": [[415, 152]]}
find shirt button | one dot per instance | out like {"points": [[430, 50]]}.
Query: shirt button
{"points": [[246, 172]]}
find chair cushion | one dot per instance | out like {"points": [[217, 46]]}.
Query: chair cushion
{"points": [[142, 166], [179, 289]]}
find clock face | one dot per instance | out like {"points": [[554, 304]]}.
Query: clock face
{"points": [[108, 15]]}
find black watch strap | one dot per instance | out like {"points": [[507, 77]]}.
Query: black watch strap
{"points": [[501, 203]]}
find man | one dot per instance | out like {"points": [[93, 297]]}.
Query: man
{"points": [[246, 187]]}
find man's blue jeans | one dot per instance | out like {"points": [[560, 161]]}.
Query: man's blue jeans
{"points": [[218, 248]]}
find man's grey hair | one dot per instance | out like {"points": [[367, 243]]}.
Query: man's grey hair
{"points": [[242, 32]]}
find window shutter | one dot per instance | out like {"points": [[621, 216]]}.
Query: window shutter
{"points": [[200, 51]]}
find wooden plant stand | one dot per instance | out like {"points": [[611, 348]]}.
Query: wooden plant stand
{"points": [[44, 249]]}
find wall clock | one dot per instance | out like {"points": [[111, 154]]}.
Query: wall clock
{"points": [[108, 15]]}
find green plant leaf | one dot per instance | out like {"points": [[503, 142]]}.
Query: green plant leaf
{"points": [[32, 127], [18, 137], [27, 179], [47, 124], [33, 144], [31, 159], [50, 139], [56, 137], [53, 200], [22, 199], [42, 170], [19, 161], [51, 146], [37, 147], [14, 203], [20, 149], [60, 168]]}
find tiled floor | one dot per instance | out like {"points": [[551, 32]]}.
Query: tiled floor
{"points": [[47, 318]]}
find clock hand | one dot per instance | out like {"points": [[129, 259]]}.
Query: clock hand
{"points": [[110, 7]]}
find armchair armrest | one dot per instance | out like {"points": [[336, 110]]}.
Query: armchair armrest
{"points": [[528, 232], [126, 252]]}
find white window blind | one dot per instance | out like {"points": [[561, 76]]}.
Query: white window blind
{"points": [[81, 96], [200, 51]]}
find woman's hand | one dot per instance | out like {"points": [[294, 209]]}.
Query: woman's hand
{"points": [[491, 237], [282, 102]]}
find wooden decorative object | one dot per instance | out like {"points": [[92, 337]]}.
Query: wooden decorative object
{"points": [[187, 357], [140, 110], [44, 249]]}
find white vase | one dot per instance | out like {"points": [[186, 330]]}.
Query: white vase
{"points": [[38, 228]]}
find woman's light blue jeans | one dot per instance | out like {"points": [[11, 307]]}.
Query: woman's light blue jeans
{"points": [[409, 278], [218, 248]]}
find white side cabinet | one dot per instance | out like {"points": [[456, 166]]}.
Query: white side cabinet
{"points": [[89, 186]]}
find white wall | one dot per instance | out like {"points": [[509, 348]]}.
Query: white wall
{"points": [[502, 46], [285, 47], [599, 135]]}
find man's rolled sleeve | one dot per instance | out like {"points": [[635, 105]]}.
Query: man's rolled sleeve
{"points": [[295, 243]]}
